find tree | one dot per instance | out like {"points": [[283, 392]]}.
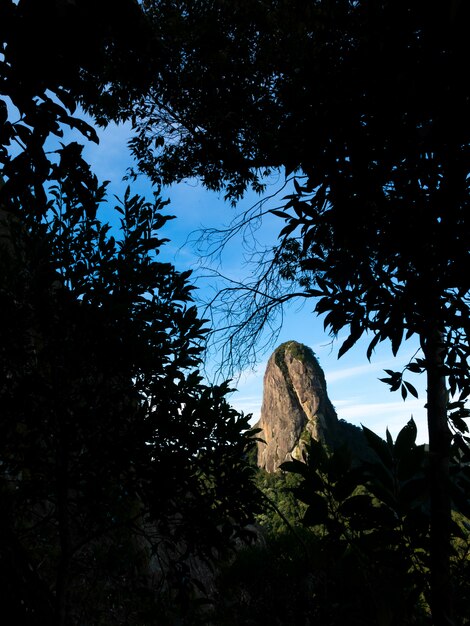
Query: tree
{"points": [[117, 461], [107, 429], [369, 106], [374, 514]]}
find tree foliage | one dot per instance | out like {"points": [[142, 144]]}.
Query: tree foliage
{"points": [[117, 462], [251, 85], [377, 513], [361, 553], [365, 105], [107, 428], [369, 105]]}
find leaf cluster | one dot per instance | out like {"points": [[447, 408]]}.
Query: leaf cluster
{"points": [[377, 512], [117, 461]]}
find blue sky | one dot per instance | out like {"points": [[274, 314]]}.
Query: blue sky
{"points": [[353, 385]]}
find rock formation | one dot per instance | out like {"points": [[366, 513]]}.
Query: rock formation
{"points": [[295, 406]]}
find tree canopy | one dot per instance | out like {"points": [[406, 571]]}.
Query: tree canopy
{"points": [[252, 85], [367, 105], [117, 461], [374, 125], [107, 427]]}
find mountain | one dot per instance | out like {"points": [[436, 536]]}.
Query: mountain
{"points": [[295, 406]]}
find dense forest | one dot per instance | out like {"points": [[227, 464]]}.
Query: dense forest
{"points": [[128, 490]]}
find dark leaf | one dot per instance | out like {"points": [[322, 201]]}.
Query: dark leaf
{"points": [[411, 389], [294, 467], [406, 439], [349, 342], [356, 505], [317, 512], [379, 446]]}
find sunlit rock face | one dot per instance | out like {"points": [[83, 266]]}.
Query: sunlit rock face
{"points": [[295, 406]]}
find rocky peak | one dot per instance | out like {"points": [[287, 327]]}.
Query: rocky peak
{"points": [[295, 405]]}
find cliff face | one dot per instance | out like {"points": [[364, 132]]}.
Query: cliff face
{"points": [[295, 404]]}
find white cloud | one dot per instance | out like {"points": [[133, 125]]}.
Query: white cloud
{"points": [[356, 370], [253, 374], [248, 404], [365, 410], [378, 416]]}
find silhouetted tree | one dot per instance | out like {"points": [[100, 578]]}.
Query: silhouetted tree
{"points": [[117, 462], [369, 105]]}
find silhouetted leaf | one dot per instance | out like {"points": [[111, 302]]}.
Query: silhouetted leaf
{"points": [[295, 467], [349, 342], [317, 512], [406, 439], [411, 389], [356, 505], [379, 446]]}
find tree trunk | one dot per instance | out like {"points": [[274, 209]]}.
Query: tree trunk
{"points": [[439, 456]]}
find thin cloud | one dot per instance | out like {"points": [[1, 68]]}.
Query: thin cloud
{"points": [[356, 370], [378, 409], [378, 416], [249, 404]]}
